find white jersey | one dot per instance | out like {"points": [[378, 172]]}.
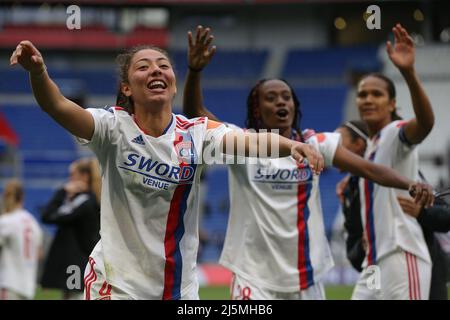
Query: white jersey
{"points": [[387, 227], [149, 201], [276, 235], [20, 244]]}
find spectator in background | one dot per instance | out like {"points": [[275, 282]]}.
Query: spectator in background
{"points": [[75, 210], [20, 246]]}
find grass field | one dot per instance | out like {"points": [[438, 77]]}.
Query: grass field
{"points": [[222, 293]]}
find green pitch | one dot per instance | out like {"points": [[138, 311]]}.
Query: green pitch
{"points": [[223, 293]]}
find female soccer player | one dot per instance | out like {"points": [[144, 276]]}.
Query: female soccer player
{"points": [[395, 241], [275, 244], [20, 246], [150, 161]]}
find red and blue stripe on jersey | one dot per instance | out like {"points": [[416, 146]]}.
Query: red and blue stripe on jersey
{"points": [[305, 269], [369, 215], [175, 223]]}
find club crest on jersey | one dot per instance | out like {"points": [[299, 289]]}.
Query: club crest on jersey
{"points": [[184, 148], [184, 152]]}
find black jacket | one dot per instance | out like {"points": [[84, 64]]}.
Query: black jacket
{"points": [[78, 223], [353, 224], [434, 219]]}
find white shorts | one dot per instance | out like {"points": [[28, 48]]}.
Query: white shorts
{"points": [[97, 288], [6, 294], [402, 276], [242, 289]]}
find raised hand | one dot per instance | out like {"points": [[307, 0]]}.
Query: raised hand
{"points": [[300, 151], [28, 57], [402, 53], [200, 52]]}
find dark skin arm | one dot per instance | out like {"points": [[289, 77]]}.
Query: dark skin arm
{"points": [[385, 176]]}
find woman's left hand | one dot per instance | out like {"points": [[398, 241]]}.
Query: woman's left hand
{"points": [[402, 53]]}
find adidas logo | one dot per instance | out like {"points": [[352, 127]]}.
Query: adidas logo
{"points": [[138, 140]]}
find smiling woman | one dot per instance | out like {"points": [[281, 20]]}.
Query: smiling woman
{"points": [[150, 174]]}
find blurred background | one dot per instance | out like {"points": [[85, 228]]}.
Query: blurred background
{"points": [[321, 47]]}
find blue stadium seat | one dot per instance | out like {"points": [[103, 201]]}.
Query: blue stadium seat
{"points": [[330, 203], [95, 81], [330, 62], [47, 149], [322, 106], [227, 104], [230, 64], [215, 219]]}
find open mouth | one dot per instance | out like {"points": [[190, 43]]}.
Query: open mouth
{"points": [[156, 84], [366, 111], [282, 113]]}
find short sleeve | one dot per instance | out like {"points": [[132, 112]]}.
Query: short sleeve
{"points": [[215, 132], [327, 143], [396, 134], [212, 151], [104, 121]]}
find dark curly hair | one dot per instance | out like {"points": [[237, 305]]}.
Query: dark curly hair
{"points": [[253, 120]]}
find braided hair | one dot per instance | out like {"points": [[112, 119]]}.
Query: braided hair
{"points": [[253, 120]]}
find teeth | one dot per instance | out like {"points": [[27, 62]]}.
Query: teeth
{"points": [[156, 84]]}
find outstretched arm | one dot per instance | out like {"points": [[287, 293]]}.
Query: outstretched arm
{"points": [[271, 145], [199, 55], [350, 162], [68, 114], [402, 55]]}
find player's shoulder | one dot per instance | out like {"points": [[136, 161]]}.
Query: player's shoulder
{"points": [[183, 123], [310, 135], [395, 125], [108, 111]]}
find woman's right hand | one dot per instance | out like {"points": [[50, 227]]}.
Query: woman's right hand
{"points": [[199, 52], [28, 57], [300, 151]]}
